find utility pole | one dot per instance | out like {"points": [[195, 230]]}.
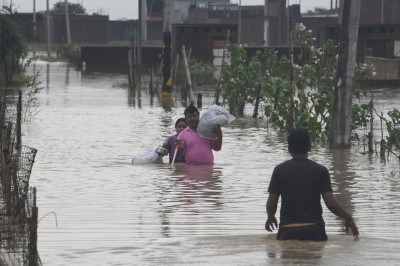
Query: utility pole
{"points": [[240, 22], [343, 95], [139, 43], [290, 120], [34, 29], [267, 15], [48, 28], [67, 23], [144, 20], [166, 60]]}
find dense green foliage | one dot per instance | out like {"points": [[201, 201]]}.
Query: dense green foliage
{"points": [[312, 82], [76, 9], [393, 128], [12, 49], [13, 53]]}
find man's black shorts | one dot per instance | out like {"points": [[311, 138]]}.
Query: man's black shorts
{"points": [[315, 232]]}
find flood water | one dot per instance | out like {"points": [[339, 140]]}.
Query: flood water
{"points": [[96, 208]]}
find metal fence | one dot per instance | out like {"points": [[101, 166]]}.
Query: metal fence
{"points": [[18, 210], [374, 136]]}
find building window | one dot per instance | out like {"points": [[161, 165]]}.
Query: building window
{"points": [[383, 30], [370, 30], [396, 48]]}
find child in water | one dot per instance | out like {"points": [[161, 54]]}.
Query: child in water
{"points": [[169, 143]]}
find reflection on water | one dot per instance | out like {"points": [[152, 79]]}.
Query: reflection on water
{"points": [[110, 212], [193, 190]]}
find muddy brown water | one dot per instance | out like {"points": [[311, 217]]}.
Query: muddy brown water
{"points": [[96, 208]]}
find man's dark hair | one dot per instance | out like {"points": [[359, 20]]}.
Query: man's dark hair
{"points": [[299, 141], [191, 109], [182, 119]]}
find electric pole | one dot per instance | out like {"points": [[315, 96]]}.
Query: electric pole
{"points": [[166, 60], [343, 95], [67, 23]]}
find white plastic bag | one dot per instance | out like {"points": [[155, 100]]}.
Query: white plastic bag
{"points": [[214, 115], [150, 156]]}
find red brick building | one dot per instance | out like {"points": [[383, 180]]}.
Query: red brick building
{"points": [[379, 33]]}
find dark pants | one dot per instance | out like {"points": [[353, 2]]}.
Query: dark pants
{"points": [[313, 232]]}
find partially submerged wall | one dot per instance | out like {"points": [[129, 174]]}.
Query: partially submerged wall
{"points": [[386, 69]]}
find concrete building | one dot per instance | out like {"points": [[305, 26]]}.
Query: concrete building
{"points": [[181, 8], [202, 26]]}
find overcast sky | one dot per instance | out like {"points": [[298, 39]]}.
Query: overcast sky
{"points": [[119, 9]]}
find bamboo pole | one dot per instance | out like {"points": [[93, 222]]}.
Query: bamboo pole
{"points": [[167, 82], [6, 170], [176, 70], [290, 118], [257, 104], [383, 142], [151, 85], [33, 252], [187, 70], [218, 89], [19, 118], [130, 74], [134, 56], [199, 100], [371, 131], [19, 205]]}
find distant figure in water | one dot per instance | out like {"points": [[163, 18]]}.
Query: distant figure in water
{"points": [[169, 143], [301, 182], [198, 150]]}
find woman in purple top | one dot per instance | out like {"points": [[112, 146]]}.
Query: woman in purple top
{"points": [[198, 150], [169, 143]]}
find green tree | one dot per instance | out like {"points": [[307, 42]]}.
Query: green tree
{"points": [[393, 128], [76, 9], [12, 48], [235, 79], [313, 83]]}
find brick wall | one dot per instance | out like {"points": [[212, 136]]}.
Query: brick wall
{"points": [[200, 39], [116, 58], [386, 69]]}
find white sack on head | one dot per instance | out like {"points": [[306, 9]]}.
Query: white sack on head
{"points": [[213, 116]]}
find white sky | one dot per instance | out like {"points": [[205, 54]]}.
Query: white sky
{"points": [[118, 9]]}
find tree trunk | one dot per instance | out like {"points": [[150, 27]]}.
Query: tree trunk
{"points": [[343, 97], [257, 104]]}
